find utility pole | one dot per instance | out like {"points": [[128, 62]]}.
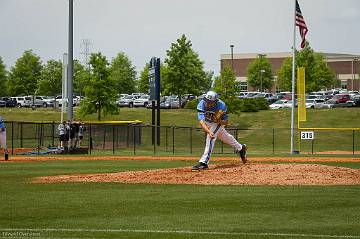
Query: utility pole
{"points": [[70, 113]]}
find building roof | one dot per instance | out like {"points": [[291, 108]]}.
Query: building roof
{"points": [[337, 56]]}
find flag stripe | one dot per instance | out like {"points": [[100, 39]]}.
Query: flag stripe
{"points": [[300, 22]]}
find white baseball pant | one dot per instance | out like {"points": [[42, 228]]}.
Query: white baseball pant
{"points": [[221, 133]]}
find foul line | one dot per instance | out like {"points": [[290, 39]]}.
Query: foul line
{"points": [[175, 232]]}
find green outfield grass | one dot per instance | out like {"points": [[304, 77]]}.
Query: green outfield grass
{"points": [[114, 210], [265, 132], [338, 117]]}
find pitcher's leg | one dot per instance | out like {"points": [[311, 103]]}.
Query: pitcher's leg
{"points": [[227, 138], [205, 158]]}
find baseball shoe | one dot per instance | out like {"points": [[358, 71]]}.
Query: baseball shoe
{"points": [[6, 157], [200, 166], [242, 153]]}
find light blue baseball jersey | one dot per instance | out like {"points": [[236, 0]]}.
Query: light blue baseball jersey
{"points": [[2, 124], [207, 114]]}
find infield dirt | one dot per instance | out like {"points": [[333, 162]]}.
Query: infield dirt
{"points": [[257, 172]]}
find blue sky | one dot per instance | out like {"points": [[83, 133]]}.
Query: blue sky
{"points": [[143, 28]]}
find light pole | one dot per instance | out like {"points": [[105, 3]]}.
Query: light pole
{"points": [[353, 73], [232, 56], [261, 73]]}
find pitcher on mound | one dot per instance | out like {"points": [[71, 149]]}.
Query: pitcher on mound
{"points": [[212, 118]]}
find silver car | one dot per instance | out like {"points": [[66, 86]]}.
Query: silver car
{"points": [[143, 101], [127, 101]]}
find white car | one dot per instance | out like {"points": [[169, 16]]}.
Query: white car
{"points": [[314, 103], [280, 104], [127, 101], [59, 101], [143, 101], [23, 101]]}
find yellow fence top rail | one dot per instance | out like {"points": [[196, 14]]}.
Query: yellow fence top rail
{"points": [[332, 129]]}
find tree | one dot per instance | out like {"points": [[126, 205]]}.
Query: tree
{"points": [[123, 73], [184, 74], [81, 77], [50, 82], [208, 81], [3, 79], [224, 84], [25, 74], [143, 84], [317, 74], [101, 92], [259, 74]]}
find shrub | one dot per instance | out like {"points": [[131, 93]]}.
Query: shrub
{"points": [[249, 105], [261, 103], [192, 104]]}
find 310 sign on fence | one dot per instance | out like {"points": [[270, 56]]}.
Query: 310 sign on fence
{"points": [[307, 135]]}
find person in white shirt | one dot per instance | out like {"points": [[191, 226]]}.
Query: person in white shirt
{"points": [[62, 132], [3, 138]]}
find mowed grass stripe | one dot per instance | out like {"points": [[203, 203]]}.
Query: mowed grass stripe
{"points": [[176, 232], [310, 210]]}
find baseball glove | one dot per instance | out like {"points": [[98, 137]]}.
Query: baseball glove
{"points": [[218, 116]]}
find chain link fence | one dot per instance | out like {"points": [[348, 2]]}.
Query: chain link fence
{"points": [[140, 139]]}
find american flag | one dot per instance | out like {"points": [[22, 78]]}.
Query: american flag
{"points": [[300, 22]]}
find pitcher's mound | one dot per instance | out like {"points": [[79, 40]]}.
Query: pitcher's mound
{"points": [[227, 174]]}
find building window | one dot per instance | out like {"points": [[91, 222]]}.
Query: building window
{"points": [[344, 84], [243, 86]]}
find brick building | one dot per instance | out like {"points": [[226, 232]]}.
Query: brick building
{"points": [[345, 66]]}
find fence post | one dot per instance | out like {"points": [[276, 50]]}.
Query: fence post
{"points": [[155, 137], [273, 143], [353, 141], [104, 137], [312, 146], [21, 135], [39, 137], [113, 129], [173, 139], [190, 140], [90, 139], [166, 140], [127, 135], [134, 141], [53, 133], [12, 137]]}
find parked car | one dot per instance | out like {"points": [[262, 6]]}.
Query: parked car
{"points": [[76, 100], [341, 98], [354, 101], [2, 103], [280, 104], [42, 101], [142, 101], [9, 102], [327, 104], [127, 101], [314, 103], [22, 101], [170, 102], [243, 95]]}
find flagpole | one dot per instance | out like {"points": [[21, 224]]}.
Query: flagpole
{"points": [[293, 82]]}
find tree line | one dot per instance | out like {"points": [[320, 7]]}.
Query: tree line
{"points": [[182, 72]]}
